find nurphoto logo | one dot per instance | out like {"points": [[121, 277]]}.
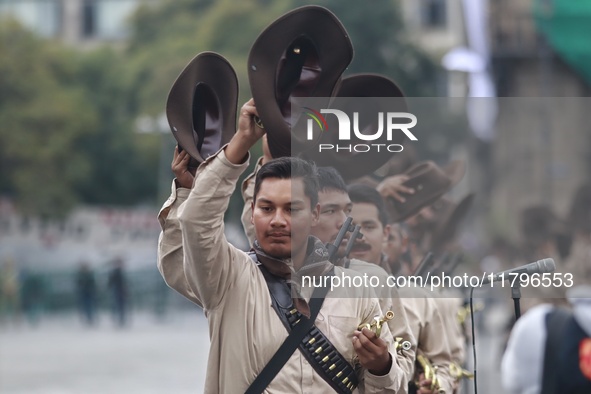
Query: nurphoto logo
{"points": [[388, 124]]}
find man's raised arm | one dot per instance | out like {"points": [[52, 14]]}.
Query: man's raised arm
{"points": [[170, 242], [208, 257]]}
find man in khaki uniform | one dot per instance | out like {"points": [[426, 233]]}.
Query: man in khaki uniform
{"points": [[335, 205], [449, 306], [424, 318], [445, 219], [245, 331], [417, 199], [428, 223]]}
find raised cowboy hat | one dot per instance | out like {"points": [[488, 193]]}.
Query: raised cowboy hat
{"points": [[201, 106], [397, 164], [429, 182], [360, 94], [301, 54]]}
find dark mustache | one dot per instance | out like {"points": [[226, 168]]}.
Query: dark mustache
{"points": [[360, 247], [278, 233]]}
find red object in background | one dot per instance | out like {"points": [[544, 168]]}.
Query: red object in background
{"points": [[585, 357]]}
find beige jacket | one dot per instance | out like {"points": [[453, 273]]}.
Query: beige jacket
{"points": [[449, 308], [244, 329], [427, 326], [170, 245]]}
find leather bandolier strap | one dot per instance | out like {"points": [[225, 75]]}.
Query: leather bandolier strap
{"points": [[318, 350], [325, 358]]}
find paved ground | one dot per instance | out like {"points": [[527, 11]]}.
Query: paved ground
{"points": [[60, 356]]}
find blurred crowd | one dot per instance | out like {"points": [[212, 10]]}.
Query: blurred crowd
{"points": [[26, 294]]}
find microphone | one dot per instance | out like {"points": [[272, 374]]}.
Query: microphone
{"points": [[538, 267]]}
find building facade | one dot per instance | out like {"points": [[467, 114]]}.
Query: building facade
{"points": [[541, 153], [75, 22]]}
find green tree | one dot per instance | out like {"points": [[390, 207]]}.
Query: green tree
{"points": [[167, 35], [67, 135], [43, 123], [124, 170], [376, 31]]}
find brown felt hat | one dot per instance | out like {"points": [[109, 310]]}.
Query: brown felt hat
{"points": [[397, 164], [371, 89], [201, 106], [429, 182], [301, 54]]}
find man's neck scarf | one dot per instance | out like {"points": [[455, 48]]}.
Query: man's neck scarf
{"points": [[315, 264]]}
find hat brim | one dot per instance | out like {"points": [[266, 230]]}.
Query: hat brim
{"points": [[301, 54], [201, 106], [401, 211], [454, 171]]}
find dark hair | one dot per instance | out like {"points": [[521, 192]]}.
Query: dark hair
{"points": [[359, 193], [290, 168], [330, 179]]}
